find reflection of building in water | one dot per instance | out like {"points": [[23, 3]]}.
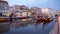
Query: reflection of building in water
{"points": [[19, 24], [4, 6], [4, 27], [45, 24]]}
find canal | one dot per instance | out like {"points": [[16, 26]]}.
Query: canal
{"points": [[26, 27]]}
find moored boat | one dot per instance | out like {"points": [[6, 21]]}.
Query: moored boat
{"points": [[48, 20], [44, 19], [23, 17], [39, 19], [2, 19]]}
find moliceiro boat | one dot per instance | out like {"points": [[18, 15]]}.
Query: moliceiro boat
{"points": [[2, 19], [6, 17], [43, 19]]}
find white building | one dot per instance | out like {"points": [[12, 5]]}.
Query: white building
{"points": [[4, 7], [58, 12], [15, 9], [36, 11], [20, 10], [47, 12], [25, 11]]}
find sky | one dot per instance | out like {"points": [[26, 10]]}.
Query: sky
{"points": [[54, 4]]}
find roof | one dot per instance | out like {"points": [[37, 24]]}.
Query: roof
{"points": [[4, 1]]}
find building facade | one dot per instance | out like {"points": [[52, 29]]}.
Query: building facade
{"points": [[4, 7], [14, 8], [20, 10], [58, 12], [36, 11], [47, 12], [25, 11]]}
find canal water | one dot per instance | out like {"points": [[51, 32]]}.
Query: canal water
{"points": [[25, 27]]}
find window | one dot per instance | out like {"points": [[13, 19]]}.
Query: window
{"points": [[5, 7]]}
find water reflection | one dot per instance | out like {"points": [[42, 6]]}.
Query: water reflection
{"points": [[5, 26], [18, 24], [44, 23]]}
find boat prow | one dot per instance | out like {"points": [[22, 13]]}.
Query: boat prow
{"points": [[45, 19]]}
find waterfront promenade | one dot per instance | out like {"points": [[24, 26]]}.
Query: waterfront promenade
{"points": [[56, 28], [59, 25]]}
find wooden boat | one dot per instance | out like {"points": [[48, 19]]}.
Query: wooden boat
{"points": [[2, 19], [42, 19], [48, 20], [39, 19], [23, 17]]}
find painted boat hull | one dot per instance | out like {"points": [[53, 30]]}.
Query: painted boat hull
{"points": [[44, 19], [23, 17], [4, 19]]}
